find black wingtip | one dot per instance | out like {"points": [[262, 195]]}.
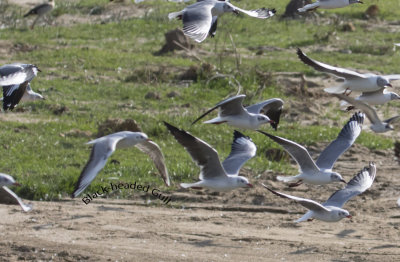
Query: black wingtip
{"points": [[359, 117], [265, 133]]}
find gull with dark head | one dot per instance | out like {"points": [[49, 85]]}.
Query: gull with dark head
{"points": [[7, 196], [379, 97], [331, 210], [213, 174], [320, 172], [103, 148], [200, 19], [328, 4], [377, 125], [353, 81], [232, 112], [40, 11]]}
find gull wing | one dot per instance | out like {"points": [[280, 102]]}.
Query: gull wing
{"points": [[298, 152], [202, 153], [242, 150], [12, 95], [230, 106], [325, 68], [101, 151], [197, 19], [271, 108], [345, 139], [262, 13], [7, 196], [368, 110], [357, 185], [15, 74], [307, 203], [154, 152]]}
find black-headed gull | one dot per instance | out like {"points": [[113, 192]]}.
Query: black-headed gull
{"points": [[232, 112], [352, 80], [103, 148], [320, 172], [200, 19], [213, 174], [40, 10], [328, 4], [15, 74], [331, 210], [377, 125], [7, 196], [379, 97], [14, 94]]}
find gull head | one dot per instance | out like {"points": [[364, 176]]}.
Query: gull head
{"points": [[243, 182], [141, 137], [344, 213], [262, 119], [7, 180], [383, 82], [394, 96], [336, 177]]}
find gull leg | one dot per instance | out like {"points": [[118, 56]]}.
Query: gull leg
{"points": [[34, 22], [298, 183]]}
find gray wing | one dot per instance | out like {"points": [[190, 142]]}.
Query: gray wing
{"points": [[271, 108], [7, 196], [15, 74], [357, 185], [197, 20], [307, 203], [345, 139], [298, 152], [337, 71], [101, 151], [230, 106], [242, 150], [262, 13], [368, 110], [154, 152], [392, 77], [202, 153]]}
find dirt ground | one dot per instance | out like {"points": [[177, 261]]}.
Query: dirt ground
{"points": [[243, 225]]}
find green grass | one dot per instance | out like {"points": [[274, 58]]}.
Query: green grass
{"points": [[101, 71]]}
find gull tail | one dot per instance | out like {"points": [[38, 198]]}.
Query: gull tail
{"points": [[335, 90], [174, 15], [309, 7], [287, 178], [305, 217]]}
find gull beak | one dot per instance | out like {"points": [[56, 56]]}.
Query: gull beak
{"points": [[344, 181], [249, 185], [388, 85], [16, 184], [349, 216]]}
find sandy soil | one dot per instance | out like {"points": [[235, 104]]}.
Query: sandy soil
{"points": [[243, 225]]}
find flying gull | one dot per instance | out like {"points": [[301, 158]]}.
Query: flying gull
{"points": [[200, 19], [328, 4], [213, 174], [353, 81], [320, 172], [103, 148], [331, 210], [40, 10], [379, 97], [7, 196], [232, 112], [376, 124]]}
